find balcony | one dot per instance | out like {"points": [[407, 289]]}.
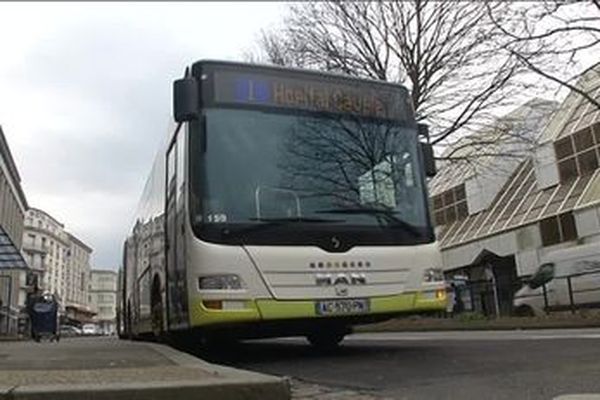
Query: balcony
{"points": [[36, 248]]}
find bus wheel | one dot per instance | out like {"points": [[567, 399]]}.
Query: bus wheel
{"points": [[325, 340], [219, 341], [524, 311]]}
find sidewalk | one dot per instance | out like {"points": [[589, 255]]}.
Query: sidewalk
{"points": [[107, 368]]}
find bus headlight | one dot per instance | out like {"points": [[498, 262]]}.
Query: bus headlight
{"points": [[433, 275], [220, 282]]}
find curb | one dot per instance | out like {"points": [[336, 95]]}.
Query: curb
{"points": [[224, 383], [182, 390], [7, 339], [186, 360]]}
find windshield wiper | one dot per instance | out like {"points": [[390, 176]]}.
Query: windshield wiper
{"points": [[387, 214], [295, 219], [273, 222]]}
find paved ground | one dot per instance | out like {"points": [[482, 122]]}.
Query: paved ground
{"points": [[78, 353], [107, 368], [437, 365]]}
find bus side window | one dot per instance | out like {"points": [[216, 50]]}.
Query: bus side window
{"points": [[171, 169], [409, 180], [180, 163]]}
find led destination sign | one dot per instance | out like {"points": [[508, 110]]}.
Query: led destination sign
{"points": [[314, 94]]}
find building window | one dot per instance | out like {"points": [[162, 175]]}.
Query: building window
{"points": [[450, 205], [578, 154], [558, 229]]}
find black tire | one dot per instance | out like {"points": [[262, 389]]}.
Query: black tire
{"points": [[325, 340], [219, 342], [524, 311]]}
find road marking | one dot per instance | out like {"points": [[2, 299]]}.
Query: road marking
{"points": [[572, 334], [471, 336], [582, 336]]}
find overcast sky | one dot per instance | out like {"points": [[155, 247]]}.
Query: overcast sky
{"points": [[85, 98]]}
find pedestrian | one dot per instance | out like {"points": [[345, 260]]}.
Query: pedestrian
{"points": [[459, 306], [451, 300]]}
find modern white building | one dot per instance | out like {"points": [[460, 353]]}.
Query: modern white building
{"points": [[495, 224], [103, 299], [62, 258]]}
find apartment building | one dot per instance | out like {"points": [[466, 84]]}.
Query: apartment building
{"points": [[103, 299], [13, 203], [62, 258], [14, 272]]}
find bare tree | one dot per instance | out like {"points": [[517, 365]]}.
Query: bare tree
{"points": [[445, 52], [348, 163], [549, 38]]}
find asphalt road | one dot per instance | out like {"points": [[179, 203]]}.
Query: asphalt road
{"points": [[441, 365]]}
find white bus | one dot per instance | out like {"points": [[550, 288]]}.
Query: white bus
{"points": [[287, 202]]}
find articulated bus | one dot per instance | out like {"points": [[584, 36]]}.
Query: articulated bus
{"points": [[285, 203]]}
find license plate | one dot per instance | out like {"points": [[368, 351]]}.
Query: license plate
{"points": [[428, 295], [340, 307]]}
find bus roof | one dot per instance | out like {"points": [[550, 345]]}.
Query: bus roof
{"points": [[315, 73]]}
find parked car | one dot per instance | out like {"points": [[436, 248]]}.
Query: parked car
{"points": [[89, 329], [70, 331], [581, 264]]}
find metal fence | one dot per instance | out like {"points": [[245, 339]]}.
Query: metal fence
{"points": [[582, 292], [563, 293], [485, 297], [6, 312], [13, 319]]}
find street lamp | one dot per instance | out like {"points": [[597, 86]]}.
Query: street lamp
{"points": [[489, 273]]}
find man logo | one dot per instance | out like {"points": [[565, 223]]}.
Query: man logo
{"points": [[352, 279], [335, 242]]}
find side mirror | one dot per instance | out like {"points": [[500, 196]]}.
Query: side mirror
{"points": [[186, 99], [426, 151], [423, 131], [543, 275], [428, 160]]}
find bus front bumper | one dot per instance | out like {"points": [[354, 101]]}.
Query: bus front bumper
{"points": [[210, 313]]}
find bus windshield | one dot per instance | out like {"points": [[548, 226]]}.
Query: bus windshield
{"points": [[311, 171]]}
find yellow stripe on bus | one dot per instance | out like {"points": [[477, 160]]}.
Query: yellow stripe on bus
{"points": [[269, 309]]}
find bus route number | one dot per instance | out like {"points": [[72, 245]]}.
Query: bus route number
{"points": [[216, 218]]}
